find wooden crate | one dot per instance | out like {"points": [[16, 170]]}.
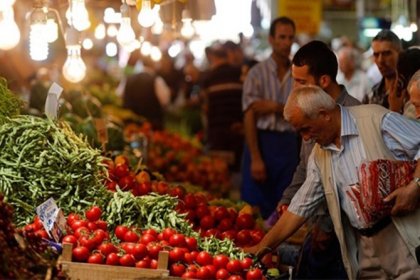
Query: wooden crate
{"points": [[87, 271]]}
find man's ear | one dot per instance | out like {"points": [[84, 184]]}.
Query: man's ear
{"points": [[324, 114], [324, 81]]}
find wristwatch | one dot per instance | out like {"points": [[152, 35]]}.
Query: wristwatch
{"points": [[417, 181]]}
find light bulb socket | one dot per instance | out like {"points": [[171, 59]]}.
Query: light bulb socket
{"points": [[72, 37], [38, 15], [125, 10]]}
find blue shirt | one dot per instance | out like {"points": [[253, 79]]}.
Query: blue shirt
{"points": [[401, 136], [262, 83]]}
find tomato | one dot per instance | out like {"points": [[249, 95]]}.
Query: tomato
{"points": [[42, 233], [92, 226], [167, 233], [154, 249], [147, 238], [177, 240], [100, 235], [93, 214], [121, 170], [243, 237], [222, 274], [176, 255], [127, 260], [234, 266], [235, 277], [77, 224], [189, 275], [221, 213], [111, 185], [102, 225], [107, 248], [229, 234], [80, 254], [144, 188], [203, 273], [246, 263], [69, 239], [128, 247], [178, 191], [267, 260], [71, 218], [153, 263], [254, 274], [177, 269], [225, 224], [220, 261], [207, 222], [96, 258], [245, 221], [202, 210], [126, 182], [204, 258], [131, 236], [143, 264], [256, 236], [150, 231], [81, 231], [140, 251], [191, 243], [233, 214], [30, 228], [212, 269], [38, 223], [88, 242], [212, 232], [113, 259], [162, 187], [189, 201], [120, 232], [189, 258]]}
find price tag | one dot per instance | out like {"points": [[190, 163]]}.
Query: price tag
{"points": [[51, 103], [101, 131], [52, 218]]}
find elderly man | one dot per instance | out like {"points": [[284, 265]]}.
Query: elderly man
{"points": [[345, 137]]}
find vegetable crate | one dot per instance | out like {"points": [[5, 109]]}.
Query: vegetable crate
{"points": [[87, 271]]}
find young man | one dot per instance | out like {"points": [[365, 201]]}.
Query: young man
{"points": [[346, 136], [271, 150]]}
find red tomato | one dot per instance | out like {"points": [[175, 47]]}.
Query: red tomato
{"points": [[189, 201], [189, 275], [220, 261], [222, 274], [189, 258], [128, 247], [167, 233], [38, 223], [102, 225], [71, 218], [153, 263], [246, 263], [111, 185], [202, 210], [42, 233], [177, 240], [70, 239], [221, 213], [176, 255], [245, 221], [243, 237], [207, 222], [120, 232], [254, 274], [225, 224], [80, 254], [88, 242], [77, 224], [121, 170], [191, 243], [229, 234], [126, 182], [154, 250], [92, 226], [96, 258], [81, 231], [177, 269], [140, 251], [131, 236], [113, 259], [204, 258], [212, 269], [178, 191], [94, 213], [150, 231], [203, 273], [256, 236], [235, 277], [100, 235], [234, 266], [127, 260], [147, 238], [107, 248], [144, 188], [143, 264]]}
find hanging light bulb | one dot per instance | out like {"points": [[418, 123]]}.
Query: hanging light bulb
{"points": [[146, 17], [38, 44], [52, 30], [187, 29], [74, 69], [125, 34], [100, 31], [157, 27], [6, 4], [9, 30], [77, 15]]}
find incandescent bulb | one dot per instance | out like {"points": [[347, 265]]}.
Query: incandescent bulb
{"points": [[100, 31], [52, 30], [9, 30], [187, 29], [146, 17], [77, 15], [74, 69], [6, 4], [125, 34]]}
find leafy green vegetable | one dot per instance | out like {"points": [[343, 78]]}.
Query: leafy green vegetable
{"points": [[10, 104]]}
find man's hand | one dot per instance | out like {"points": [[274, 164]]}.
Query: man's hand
{"points": [[263, 107], [257, 251], [258, 171], [406, 199], [396, 97]]}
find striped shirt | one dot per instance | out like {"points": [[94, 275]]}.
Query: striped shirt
{"points": [[401, 136], [262, 83]]}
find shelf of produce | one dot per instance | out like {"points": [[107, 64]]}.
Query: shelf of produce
{"points": [[86, 271]]}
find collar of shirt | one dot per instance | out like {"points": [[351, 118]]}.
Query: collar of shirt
{"points": [[348, 128], [273, 68]]}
